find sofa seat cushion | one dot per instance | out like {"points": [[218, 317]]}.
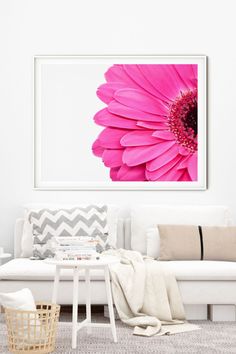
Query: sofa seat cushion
{"points": [[202, 270], [26, 269]]}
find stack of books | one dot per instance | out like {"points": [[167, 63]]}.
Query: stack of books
{"points": [[76, 248]]}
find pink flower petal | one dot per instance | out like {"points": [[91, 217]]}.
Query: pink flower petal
{"points": [[163, 159], [116, 73], [137, 76], [193, 167], [165, 79], [97, 149], [112, 157], [139, 138], [138, 155], [185, 177], [140, 100], [132, 113], [105, 118], [187, 75], [113, 173], [110, 138], [172, 175], [184, 163], [136, 173], [156, 174], [150, 125], [165, 135], [106, 91]]}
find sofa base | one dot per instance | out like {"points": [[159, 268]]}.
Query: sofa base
{"points": [[196, 312], [42, 291], [222, 313], [196, 295], [192, 312]]}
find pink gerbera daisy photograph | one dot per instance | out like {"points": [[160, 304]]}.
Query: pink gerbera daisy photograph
{"points": [[150, 122]]}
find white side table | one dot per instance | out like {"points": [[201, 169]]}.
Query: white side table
{"points": [[103, 263], [4, 256]]}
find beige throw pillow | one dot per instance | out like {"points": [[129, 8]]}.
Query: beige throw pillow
{"points": [[219, 243], [179, 242], [189, 242]]}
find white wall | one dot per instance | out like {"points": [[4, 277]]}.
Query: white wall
{"points": [[29, 27]]}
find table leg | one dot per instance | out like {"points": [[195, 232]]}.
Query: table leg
{"points": [[88, 298], [75, 306], [110, 303], [55, 285]]}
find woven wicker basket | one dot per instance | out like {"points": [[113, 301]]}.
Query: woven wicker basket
{"points": [[32, 331]]}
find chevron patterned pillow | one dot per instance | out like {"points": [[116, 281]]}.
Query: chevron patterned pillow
{"points": [[79, 221]]}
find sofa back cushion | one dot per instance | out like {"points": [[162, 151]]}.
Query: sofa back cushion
{"points": [[149, 216]]}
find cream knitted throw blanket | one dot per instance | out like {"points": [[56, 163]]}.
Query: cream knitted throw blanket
{"points": [[146, 295]]}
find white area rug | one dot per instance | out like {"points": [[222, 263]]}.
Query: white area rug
{"points": [[213, 338]]}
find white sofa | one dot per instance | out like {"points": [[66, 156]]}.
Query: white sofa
{"points": [[201, 283]]}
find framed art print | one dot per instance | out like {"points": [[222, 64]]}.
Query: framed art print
{"points": [[120, 122]]}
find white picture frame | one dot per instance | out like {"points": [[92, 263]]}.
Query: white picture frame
{"points": [[49, 71]]}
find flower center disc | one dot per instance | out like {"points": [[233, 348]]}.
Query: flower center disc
{"points": [[183, 120]]}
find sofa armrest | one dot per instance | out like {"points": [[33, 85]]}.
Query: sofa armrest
{"points": [[18, 233]]}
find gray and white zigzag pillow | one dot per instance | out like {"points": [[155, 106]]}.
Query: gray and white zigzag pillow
{"points": [[78, 221]]}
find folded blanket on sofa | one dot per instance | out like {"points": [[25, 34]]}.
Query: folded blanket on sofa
{"points": [[146, 295]]}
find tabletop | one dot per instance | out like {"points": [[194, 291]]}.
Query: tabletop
{"points": [[92, 263]]}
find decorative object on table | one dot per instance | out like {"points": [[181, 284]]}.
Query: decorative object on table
{"points": [[152, 116], [76, 248], [47, 224], [31, 327], [103, 263]]}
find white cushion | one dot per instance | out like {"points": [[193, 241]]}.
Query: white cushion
{"points": [[28, 327], [147, 216], [153, 242], [20, 300], [202, 270], [27, 269], [27, 239]]}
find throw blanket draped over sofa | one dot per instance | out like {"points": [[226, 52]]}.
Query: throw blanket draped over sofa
{"points": [[146, 295]]}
